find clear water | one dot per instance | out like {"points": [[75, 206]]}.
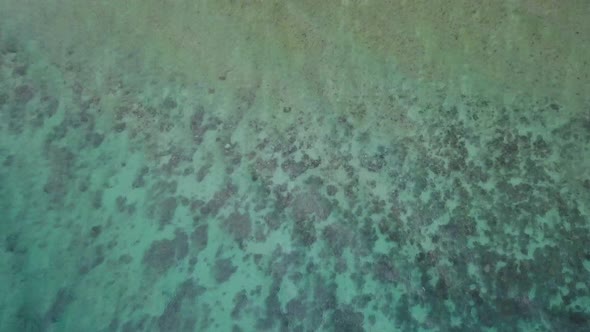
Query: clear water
{"points": [[294, 165]]}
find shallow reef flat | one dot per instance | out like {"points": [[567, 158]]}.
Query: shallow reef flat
{"points": [[294, 166]]}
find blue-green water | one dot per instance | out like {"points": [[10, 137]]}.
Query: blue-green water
{"points": [[294, 166]]}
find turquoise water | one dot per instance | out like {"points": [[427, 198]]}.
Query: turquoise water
{"points": [[294, 166]]}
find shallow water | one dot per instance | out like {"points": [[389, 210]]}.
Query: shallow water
{"points": [[294, 165]]}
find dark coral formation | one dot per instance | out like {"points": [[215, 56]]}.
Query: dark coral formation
{"points": [[164, 254]]}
